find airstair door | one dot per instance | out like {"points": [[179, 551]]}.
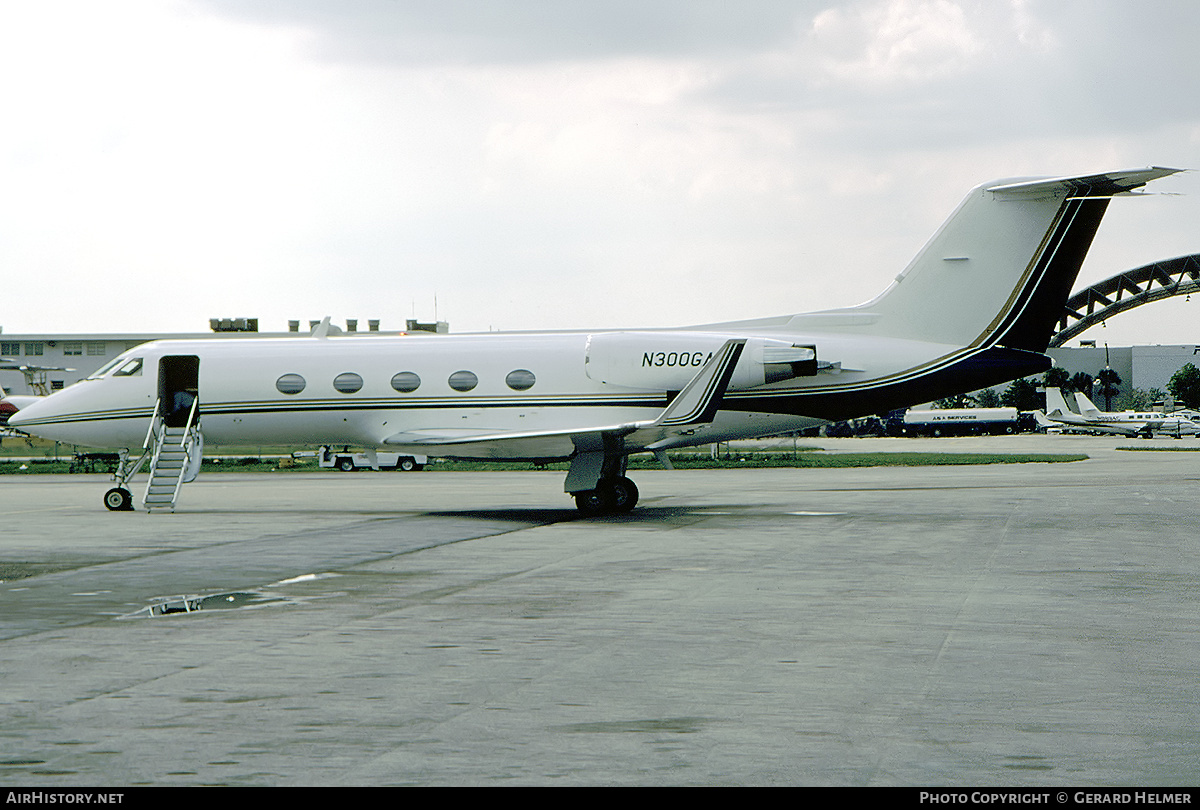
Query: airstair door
{"points": [[178, 387]]}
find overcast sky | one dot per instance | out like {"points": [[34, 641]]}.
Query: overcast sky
{"points": [[550, 164]]}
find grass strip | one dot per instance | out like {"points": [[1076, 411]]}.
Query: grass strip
{"points": [[1161, 449], [640, 462]]}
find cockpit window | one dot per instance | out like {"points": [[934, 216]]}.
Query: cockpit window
{"points": [[132, 368], [104, 369]]}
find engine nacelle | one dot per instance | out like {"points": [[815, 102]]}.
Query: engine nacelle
{"points": [[669, 360]]}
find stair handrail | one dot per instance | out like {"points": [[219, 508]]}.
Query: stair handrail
{"points": [[191, 421], [153, 422], [187, 442], [153, 435]]}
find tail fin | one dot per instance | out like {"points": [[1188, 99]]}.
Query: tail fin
{"points": [[1055, 402], [1085, 405], [999, 270]]}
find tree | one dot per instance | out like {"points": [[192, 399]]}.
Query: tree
{"points": [[956, 401], [1022, 395], [1082, 382], [1057, 377], [1185, 385], [1109, 386], [1137, 399], [987, 398]]}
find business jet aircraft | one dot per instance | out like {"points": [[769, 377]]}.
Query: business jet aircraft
{"points": [[1126, 423], [35, 375], [975, 308]]}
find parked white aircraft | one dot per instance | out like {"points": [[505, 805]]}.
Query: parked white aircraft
{"points": [[975, 308], [35, 375], [1126, 423], [11, 403]]}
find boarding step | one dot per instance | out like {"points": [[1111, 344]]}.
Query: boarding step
{"points": [[168, 470]]}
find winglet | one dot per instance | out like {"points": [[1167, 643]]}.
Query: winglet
{"points": [[698, 402], [321, 330]]}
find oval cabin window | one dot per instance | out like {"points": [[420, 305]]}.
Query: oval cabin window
{"points": [[520, 380], [290, 384], [463, 380], [406, 382], [348, 383]]}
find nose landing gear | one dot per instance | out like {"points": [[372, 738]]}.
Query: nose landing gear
{"points": [[118, 499]]}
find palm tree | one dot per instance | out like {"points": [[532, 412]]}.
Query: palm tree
{"points": [[1057, 377], [1107, 382]]}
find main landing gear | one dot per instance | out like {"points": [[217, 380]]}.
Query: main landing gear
{"points": [[614, 496], [597, 476]]}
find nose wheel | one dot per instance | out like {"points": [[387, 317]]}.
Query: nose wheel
{"points": [[118, 499], [610, 497]]}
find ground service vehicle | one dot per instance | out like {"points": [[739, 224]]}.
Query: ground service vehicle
{"points": [[961, 422], [347, 460]]}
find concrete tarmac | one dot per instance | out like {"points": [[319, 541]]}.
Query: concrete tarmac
{"points": [[1006, 625]]}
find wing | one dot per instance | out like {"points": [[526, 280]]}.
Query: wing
{"points": [[695, 406]]}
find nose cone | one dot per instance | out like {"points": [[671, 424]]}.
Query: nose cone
{"points": [[24, 413], [52, 418], [87, 414]]}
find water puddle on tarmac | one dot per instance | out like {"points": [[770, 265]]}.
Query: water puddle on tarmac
{"points": [[228, 600]]}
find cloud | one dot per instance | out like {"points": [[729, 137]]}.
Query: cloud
{"points": [[548, 164], [522, 31], [897, 43]]}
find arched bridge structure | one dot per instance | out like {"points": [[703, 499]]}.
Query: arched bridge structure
{"points": [[1124, 291]]}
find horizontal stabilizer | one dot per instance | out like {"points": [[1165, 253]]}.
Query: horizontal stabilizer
{"points": [[1092, 185]]}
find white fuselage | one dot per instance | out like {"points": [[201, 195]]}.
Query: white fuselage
{"points": [[561, 381]]}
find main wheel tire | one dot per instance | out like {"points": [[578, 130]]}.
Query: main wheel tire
{"points": [[624, 495], [118, 499], [594, 502], [614, 497]]}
